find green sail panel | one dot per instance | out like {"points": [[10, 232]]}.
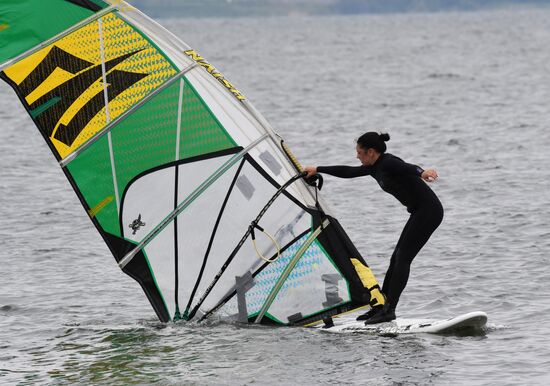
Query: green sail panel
{"points": [[25, 24], [92, 173], [144, 140], [201, 132]]}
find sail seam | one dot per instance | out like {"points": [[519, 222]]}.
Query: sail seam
{"points": [[103, 70], [69, 158], [180, 108], [177, 314], [189, 199], [57, 37], [107, 111], [113, 171]]}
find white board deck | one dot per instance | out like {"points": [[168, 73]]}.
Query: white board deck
{"points": [[471, 321]]}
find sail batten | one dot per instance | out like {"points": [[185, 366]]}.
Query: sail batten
{"points": [[176, 168]]}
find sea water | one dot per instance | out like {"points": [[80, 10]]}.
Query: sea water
{"points": [[465, 93]]}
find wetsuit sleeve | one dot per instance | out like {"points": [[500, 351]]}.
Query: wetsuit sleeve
{"points": [[345, 171], [395, 165]]}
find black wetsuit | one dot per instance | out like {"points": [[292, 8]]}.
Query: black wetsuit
{"points": [[403, 181]]}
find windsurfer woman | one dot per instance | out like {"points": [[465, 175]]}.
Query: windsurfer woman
{"points": [[404, 182]]}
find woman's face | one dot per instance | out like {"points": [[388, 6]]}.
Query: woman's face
{"points": [[367, 157]]}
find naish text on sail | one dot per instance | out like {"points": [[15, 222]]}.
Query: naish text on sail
{"points": [[215, 73]]}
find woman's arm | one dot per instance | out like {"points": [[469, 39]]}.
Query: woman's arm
{"points": [[339, 171], [396, 165]]}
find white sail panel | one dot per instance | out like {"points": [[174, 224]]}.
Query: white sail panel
{"points": [[152, 197], [148, 200], [283, 220], [196, 230], [191, 174]]}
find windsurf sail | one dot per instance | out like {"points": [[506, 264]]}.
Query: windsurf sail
{"points": [[176, 169]]}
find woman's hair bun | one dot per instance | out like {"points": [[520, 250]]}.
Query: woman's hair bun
{"points": [[373, 140]]}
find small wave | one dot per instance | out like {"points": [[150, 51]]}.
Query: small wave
{"points": [[492, 327], [448, 75], [453, 142], [8, 308]]}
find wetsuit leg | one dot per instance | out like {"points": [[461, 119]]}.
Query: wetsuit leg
{"points": [[389, 272], [416, 233]]}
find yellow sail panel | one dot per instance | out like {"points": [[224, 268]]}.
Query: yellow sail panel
{"points": [[63, 84]]}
